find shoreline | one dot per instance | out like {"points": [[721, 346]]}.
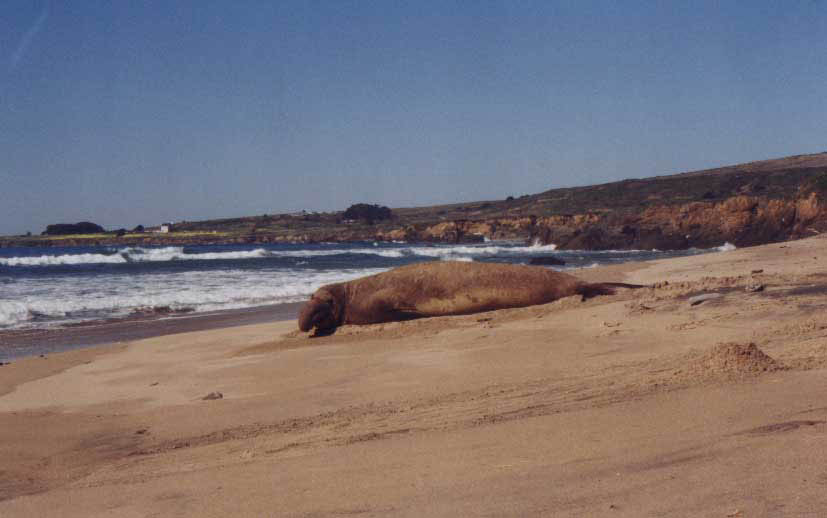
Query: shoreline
{"points": [[18, 344], [34, 341], [641, 403]]}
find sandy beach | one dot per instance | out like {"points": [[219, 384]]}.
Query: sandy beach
{"points": [[651, 402]]}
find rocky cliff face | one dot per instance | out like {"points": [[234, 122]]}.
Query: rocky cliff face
{"points": [[622, 215], [741, 220]]}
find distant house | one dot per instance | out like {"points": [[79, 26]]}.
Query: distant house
{"points": [[163, 228]]}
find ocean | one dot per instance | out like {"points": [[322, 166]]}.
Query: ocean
{"points": [[58, 287]]}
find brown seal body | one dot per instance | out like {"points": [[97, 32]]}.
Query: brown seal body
{"points": [[439, 289]]}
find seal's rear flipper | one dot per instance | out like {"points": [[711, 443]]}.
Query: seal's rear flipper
{"points": [[622, 285], [605, 288], [593, 290]]}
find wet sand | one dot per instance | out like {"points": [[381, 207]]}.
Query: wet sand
{"points": [[34, 342], [638, 404]]}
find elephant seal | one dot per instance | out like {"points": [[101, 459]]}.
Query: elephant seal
{"points": [[439, 289]]}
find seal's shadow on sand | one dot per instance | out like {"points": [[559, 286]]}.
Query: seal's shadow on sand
{"points": [[398, 316], [320, 333]]}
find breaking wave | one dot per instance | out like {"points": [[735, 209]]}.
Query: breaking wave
{"points": [[177, 253], [211, 278], [196, 291], [481, 251], [130, 255], [12, 313]]}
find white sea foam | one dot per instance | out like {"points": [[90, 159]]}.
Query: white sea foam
{"points": [[726, 247], [387, 252], [471, 251], [12, 313], [56, 300], [51, 260], [126, 255], [435, 251], [47, 297], [176, 253]]}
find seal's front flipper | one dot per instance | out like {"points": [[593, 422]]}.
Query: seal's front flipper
{"points": [[407, 315], [383, 306], [402, 311]]}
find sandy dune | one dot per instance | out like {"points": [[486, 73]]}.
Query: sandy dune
{"points": [[638, 404]]}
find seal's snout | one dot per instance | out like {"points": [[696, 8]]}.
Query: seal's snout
{"points": [[323, 311], [316, 314]]}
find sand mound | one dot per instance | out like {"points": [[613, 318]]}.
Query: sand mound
{"points": [[737, 358], [728, 360]]}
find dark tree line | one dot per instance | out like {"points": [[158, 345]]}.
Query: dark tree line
{"points": [[367, 212], [64, 229]]}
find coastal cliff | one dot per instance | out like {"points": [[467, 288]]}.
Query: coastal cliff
{"points": [[746, 204], [741, 220]]}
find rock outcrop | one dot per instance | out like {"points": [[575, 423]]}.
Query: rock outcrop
{"points": [[741, 220]]}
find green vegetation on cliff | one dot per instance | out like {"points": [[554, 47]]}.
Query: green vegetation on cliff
{"points": [[66, 229]]}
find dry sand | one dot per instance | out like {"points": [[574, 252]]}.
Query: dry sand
{"points": [[638, 404]]}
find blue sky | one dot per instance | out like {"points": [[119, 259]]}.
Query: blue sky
{"points": [[138, 112]]}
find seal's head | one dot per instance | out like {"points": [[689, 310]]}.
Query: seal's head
{"points": [[324, 310]]}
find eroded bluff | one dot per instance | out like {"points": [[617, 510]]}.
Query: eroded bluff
{"points": [[741, 220]]}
